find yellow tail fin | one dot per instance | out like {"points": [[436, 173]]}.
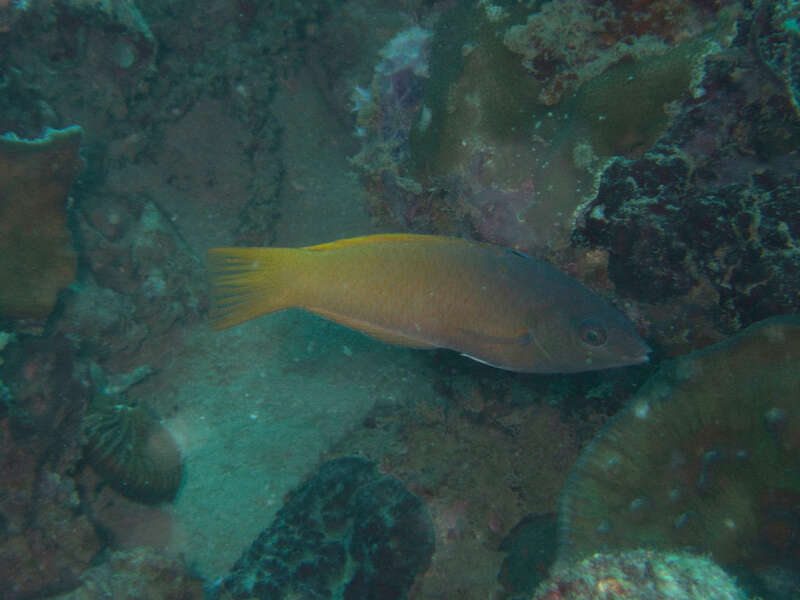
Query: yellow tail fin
{"points": [[249, 282]]}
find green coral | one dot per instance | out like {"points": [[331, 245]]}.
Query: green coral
{"points": [[478, 93], [622, 111]]}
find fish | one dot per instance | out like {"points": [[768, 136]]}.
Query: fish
{"points": [[492, 304]]}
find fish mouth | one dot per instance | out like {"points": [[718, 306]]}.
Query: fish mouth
{"points": [[644, 356]]}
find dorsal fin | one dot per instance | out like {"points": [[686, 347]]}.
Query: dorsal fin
{"points": [[381, 238]]}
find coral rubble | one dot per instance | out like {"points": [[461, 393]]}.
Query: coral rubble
{"points": [[704, 458], [142, 278], [483, 455], [35, 242], [348, 532]]}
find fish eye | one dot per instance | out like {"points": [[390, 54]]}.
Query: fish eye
{"points": [[593, 333]]}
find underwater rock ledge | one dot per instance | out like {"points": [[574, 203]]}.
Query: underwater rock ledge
{"points": [[348, 533]]}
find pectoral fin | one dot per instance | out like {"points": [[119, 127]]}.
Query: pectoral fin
{"points": [[524, 339], [481, 338]]}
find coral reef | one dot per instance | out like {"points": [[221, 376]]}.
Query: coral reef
{"points": [[714, 259], [35, 242], [509, 150], [484, 453], [668, 154], [47, 541], [642, 575], [180, 151], [704, 458], [348, 532], [386, 109], [776, 35], [118, 15], [715, 201], [492, 127], [69, 42], [600, 35]]}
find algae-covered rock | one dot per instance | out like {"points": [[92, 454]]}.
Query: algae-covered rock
{"points": [[514, 126]]}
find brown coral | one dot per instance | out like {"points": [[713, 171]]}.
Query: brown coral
{"points": [[35, 243]]}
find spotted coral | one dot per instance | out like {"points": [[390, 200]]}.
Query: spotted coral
{"points": [[704, 459]]}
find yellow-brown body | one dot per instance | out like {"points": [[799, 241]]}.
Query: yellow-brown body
{"points": [[489, 303]]}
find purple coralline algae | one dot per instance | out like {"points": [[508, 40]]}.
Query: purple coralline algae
{"points": [[348, 533], [387, 109]]}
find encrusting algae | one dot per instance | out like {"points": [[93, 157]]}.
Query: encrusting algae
{"points": [[492, 304]]}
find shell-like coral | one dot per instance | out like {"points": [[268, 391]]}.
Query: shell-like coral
{"points": [[129, 448]]}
